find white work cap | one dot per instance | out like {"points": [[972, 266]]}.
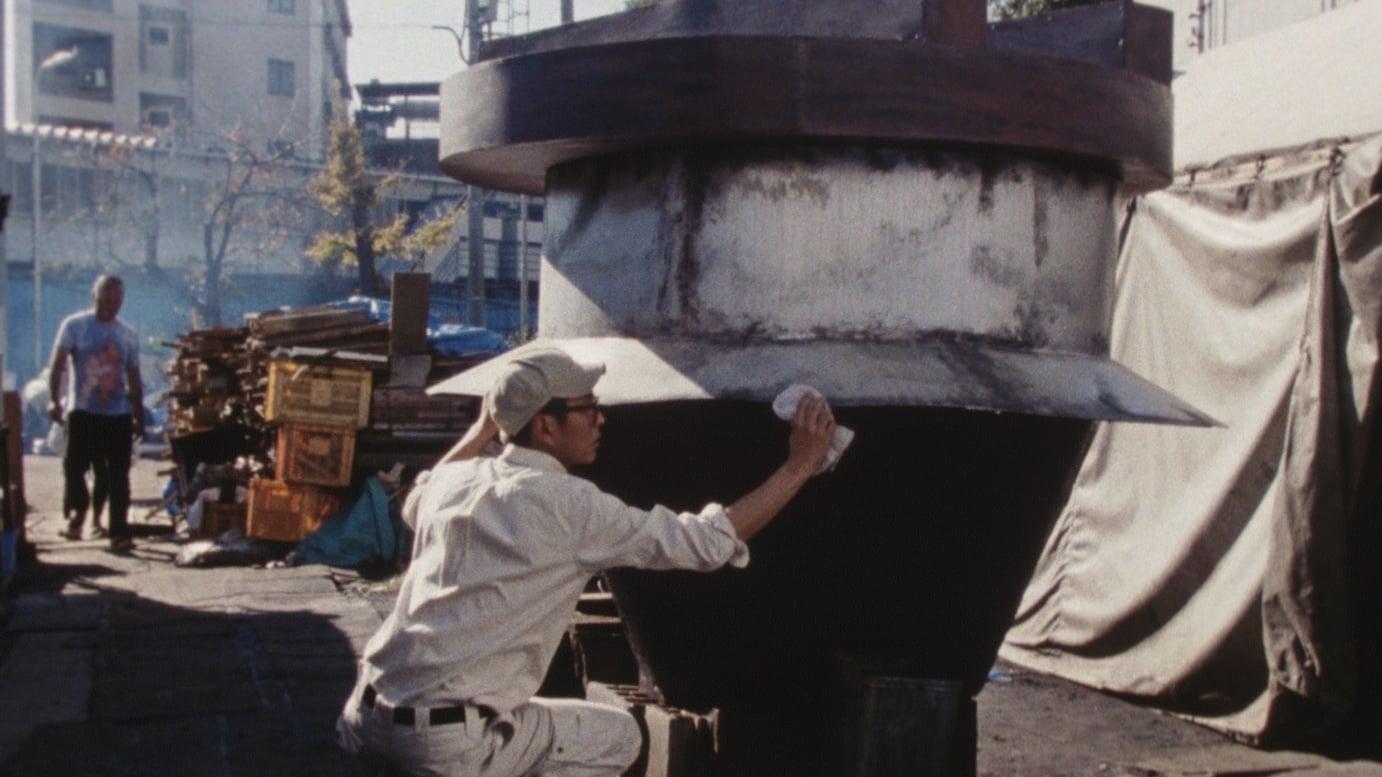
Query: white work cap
{"points": [[531, 381]]}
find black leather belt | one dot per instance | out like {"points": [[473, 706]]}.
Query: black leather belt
{"points": [[436, 716]]}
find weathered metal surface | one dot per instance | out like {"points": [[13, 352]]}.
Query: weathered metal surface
{"points": [[954, 374], [872, 19], [867, 245], [1115, 34], [881, 276], [914, 551], [506, 122]]}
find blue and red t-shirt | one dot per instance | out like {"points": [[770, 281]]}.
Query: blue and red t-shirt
{"points": [[101, 353]]}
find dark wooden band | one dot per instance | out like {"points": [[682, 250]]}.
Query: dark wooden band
{"points": [[506, 122]]}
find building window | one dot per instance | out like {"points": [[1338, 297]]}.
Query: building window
{"points": [[163, 43], [72, 62], [281, 78], [161, 112], [286, 7]]}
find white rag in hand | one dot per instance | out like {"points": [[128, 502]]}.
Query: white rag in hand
{"points": [[785, 407]]}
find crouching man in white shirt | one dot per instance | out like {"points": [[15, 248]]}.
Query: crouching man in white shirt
{"points": [[504, 547]]}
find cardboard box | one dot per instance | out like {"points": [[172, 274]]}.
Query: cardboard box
{"points": [[285, 512], [320, 455], [323, 396]]}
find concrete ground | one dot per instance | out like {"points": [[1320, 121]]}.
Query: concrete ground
{"points": [[128, 665]]}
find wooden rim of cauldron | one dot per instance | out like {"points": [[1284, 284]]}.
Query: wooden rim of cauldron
{"points": [[506, 122]]}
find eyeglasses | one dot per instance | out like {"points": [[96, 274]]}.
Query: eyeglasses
{"points": [[593, 409]]}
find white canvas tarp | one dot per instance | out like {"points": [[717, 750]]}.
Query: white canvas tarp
{"points": [[1209, 569]]}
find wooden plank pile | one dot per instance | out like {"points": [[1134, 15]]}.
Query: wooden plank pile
{"points": [[307, 402]]}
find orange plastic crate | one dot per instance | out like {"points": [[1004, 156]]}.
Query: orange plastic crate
{"points": [[320, 455], [287, 512]]}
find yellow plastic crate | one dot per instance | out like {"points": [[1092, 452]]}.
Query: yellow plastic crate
{"points": [[325, 396]]}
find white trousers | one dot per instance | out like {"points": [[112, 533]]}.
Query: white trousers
{"points": [[546, 737]]}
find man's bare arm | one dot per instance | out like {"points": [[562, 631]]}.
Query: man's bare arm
{"points": [[57, 370], [812, 429], [473, 442]]}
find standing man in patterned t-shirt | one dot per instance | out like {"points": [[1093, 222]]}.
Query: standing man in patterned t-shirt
{"points": [[106, 407]]}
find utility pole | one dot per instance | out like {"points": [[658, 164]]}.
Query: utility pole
{"points": [[568, 11], [54, 60], [475, 196], [523, 267], [4, 207], [35, 231]]}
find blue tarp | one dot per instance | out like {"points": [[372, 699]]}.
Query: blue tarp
{"points": [[447, 338], [368, 534], [459, 340]]}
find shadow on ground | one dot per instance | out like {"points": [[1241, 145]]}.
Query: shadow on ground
{"points": [[238, 681]]}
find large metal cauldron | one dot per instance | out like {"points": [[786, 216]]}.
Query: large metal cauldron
{"points": [[924, 233], [913, 552]]}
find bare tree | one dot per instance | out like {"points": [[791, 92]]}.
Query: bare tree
{"points": [[128, 192], [255, 198]]}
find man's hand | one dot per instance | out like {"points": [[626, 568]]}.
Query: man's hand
{"points": [[55, 411], [813, 428]]}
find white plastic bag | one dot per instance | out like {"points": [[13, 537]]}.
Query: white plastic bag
{"points": [[57, 438]]}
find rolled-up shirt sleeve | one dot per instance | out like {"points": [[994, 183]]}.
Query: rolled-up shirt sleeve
{"points": [[615, 534]]}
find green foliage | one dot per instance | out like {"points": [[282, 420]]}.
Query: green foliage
{"points": [[346, 188], [345, 183], [1016, 9], [427, 236]]}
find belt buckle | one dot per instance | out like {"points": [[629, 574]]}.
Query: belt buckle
{"points": [[436, 716]]}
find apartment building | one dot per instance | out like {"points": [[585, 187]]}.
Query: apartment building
{"points": [[192, 69]]}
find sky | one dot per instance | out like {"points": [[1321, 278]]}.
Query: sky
{"points": [[392, 39]]}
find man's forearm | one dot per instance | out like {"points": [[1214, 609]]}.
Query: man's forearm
{"points": [[472, 444], [56, 372], [757, 508], [812, 427]]}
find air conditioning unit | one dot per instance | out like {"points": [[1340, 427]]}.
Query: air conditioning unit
{"points": [[94, 78], [486, 11]]}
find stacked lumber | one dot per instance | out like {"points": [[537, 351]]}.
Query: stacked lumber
{"points": [[204, 379], [314, 399], [320, 327]]}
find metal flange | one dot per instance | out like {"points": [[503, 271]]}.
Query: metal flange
{"points": [[506, 122]]}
